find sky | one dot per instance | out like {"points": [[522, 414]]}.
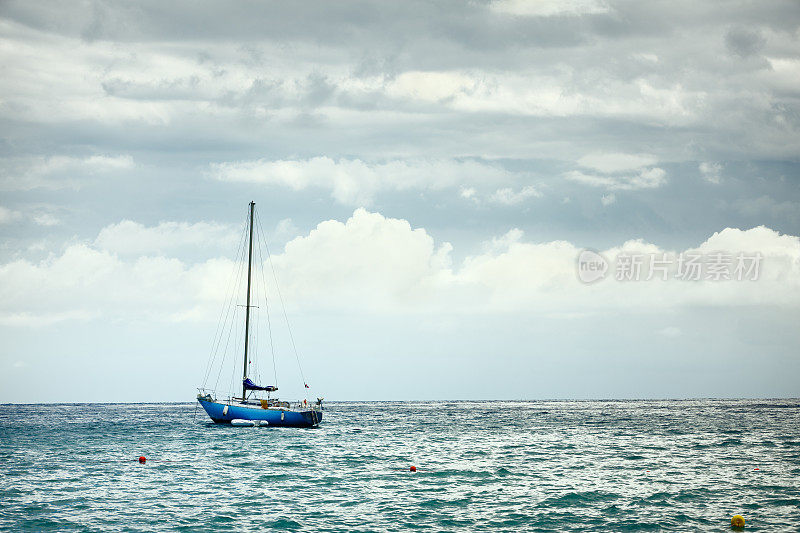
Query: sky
{"points": [[427, 176]]}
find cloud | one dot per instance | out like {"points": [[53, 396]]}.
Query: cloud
{"points": [[46, 219], [357, 182], [650, 178], [553, 92], [548, 8], [468, 193], [372, 263], [9, 215], [609, 163], [40, 218], [387, 258], [670, 332], [711, 172], [508, 196], [85, 283], [284, 230], [744, 42], [397, 86], [608, 199], [765, 207], [759, 239], [618, 171], [58, 172], [167, 238]]}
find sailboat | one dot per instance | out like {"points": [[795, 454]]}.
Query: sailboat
{"points": [[256, 406]]}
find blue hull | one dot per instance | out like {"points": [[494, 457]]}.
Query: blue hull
{"points": [[275, 417]]}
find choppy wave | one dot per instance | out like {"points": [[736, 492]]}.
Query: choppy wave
{"points": [[495, 466]]}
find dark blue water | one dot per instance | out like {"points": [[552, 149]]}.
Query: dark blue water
{"points": [[491, 466]]}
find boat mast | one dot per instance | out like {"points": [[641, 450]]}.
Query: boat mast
{"points": [[247, 308]]}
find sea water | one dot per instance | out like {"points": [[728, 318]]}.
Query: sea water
{"points": [[481, 465]]}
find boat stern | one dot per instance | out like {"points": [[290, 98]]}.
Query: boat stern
{"points": [[312, 417]]}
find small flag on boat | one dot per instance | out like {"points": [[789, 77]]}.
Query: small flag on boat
{"points": [[306, 384]]}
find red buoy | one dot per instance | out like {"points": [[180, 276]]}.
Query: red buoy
{"points": [[142, 459], [413, 469]]}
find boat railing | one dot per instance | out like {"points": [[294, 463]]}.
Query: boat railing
{"points": [[273, 403], [206, 392]]}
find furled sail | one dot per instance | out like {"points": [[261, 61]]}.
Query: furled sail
{"points": [[249, 385]]}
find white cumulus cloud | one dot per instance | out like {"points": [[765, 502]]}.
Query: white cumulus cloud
{"points": [[372, 263]]}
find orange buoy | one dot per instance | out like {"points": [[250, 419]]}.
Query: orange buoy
{"points": [[737, 522], [413, 468], [142, 459]]}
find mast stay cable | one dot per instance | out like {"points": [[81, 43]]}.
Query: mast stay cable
{"points": [[231, 306], [283, 307], [226, 308], [262, 238]]}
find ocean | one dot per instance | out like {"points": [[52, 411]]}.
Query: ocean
{"points": [[481, 466]]}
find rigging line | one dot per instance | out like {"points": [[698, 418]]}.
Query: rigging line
{"points": [[224, 357], [226, 307], [260, 233], [239, 276], [237, 342], [231, 287], [254, 335], [256, 339], [258, 316], [253, 355], [225, 352], [238, 337], [259, 361], [285, 316], [221, 321], [239, 282], [219, 343]]}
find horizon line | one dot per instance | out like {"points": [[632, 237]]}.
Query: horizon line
{"points": [[629, 399]]}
